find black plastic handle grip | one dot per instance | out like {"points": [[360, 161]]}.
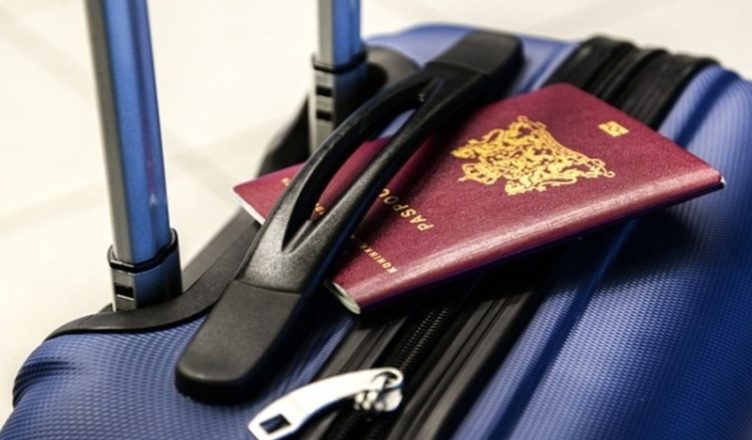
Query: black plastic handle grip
{"points": [[252, 328], [473, 71]]}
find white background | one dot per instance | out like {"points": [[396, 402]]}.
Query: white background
{"points": [[229, 74]]}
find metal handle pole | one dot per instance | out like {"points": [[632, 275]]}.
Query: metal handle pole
{"points": [[144, 256], [339, 42], [339, 67]]}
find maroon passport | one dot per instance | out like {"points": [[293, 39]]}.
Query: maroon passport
{"points": [[514, 176]]}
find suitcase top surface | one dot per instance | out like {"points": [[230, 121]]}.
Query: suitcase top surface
{"points": [[619, 337]]}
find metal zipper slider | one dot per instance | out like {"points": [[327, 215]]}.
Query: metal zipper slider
{"points": [[377, 390]]}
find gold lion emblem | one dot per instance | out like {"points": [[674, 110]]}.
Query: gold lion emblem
{"points": [[527, 157]]}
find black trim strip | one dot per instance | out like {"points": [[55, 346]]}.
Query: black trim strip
{"points": [[235, 238]]}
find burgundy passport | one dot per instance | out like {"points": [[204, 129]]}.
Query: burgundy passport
{"points": [[513, 176]]}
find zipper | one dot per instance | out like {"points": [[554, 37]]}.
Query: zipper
{"points": [[442, 338], [377, 390], [587, 62], [655, 88], [485, 331], [422, 339]]}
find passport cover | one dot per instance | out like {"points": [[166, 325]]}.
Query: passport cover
{"points": [[513, 176]]}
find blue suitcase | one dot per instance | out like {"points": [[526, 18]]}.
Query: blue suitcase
{"points": [[639, 331]]}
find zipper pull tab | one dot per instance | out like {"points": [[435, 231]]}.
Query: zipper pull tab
{"points": [[377, 390]]}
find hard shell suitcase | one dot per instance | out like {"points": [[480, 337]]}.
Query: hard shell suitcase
{"points": [[638, 331]]}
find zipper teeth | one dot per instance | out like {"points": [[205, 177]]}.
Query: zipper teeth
{"points": [[600, 53], [385, 426], [609, 86], [672, 73], [406, 356]]}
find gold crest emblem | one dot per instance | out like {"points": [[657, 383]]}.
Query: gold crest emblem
{"points": [[527, 157]]}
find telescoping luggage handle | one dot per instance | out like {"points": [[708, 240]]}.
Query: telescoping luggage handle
{"points": [[339, 68], [144, 257], [251, 329]]}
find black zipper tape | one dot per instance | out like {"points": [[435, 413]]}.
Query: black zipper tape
{"points": [[590, 60], [471, 349], [656, 87], [444, 381], [608, 85]]}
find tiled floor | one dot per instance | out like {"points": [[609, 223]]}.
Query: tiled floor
{"points": [[228, 76]]}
